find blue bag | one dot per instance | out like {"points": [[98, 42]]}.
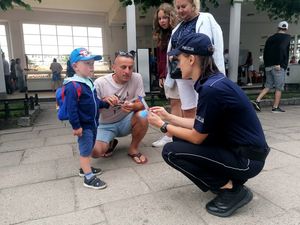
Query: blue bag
{"points": [[61, 105]]}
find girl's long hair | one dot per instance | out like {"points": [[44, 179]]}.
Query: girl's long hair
{"points": [[162, 36]]}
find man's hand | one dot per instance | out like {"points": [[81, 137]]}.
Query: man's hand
{"points": [[111, 100], [127, 106], [77, 132]]}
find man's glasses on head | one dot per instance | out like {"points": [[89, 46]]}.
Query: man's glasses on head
{"points": [[130, 54]]}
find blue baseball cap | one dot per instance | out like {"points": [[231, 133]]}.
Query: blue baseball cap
{"points": [[82, 54], [194, 44]]}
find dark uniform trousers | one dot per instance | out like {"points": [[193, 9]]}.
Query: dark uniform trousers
{"points": [[209, 166]]}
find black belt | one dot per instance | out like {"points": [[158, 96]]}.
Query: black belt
{"points": [[252, 152]]}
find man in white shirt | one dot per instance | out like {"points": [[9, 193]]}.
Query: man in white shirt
{"points": [[121, 90]]}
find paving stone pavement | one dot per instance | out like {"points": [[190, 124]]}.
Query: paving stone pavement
{"points": [[40, 183]]}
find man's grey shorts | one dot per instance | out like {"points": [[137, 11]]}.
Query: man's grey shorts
{"points": [[107, 132], [275, 78]]}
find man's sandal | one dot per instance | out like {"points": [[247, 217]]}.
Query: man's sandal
{"points": [[111, 148], [136, 156]]}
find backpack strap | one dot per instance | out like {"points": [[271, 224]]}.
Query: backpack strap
{"points": [[78, 89], [63, 93]]}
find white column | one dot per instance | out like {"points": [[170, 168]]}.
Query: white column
{"points": [[295, 44], [2, 78], [131, 27], [234, 39]]}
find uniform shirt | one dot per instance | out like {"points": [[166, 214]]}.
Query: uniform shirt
{"points": [[225, 113]]}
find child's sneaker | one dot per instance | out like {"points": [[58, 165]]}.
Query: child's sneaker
{"points": [[94, 183], [95, 171]]}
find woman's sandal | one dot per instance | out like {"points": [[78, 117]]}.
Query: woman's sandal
{"points": [[138, 156], [111, 148]]}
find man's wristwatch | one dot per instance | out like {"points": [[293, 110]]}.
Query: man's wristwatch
{"points": [[163, 128]]}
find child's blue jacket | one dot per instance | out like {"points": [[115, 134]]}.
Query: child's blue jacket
{"points": [[83, 112]]}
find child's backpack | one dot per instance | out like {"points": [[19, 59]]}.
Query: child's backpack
{"points": [[61, 105]]}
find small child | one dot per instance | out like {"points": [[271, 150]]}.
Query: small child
{"points": [[83, 112]]}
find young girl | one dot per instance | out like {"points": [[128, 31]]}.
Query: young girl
{"points": [[165, 19]]}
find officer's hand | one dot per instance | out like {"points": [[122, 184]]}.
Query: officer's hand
{"points": [[155, 120], [160, 111]]}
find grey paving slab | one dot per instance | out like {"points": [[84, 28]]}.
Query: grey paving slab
{"points": [[67, 167], [40, 182], [121, 184], [21, 144], [18, 136], [47, 153], [277, 159], [10, 158], [55, 132], [291, 147], [278, 187], [163, 208], [16, 130], [52, 125], [290, 217], [106, 164], [81, 217], [154, 174], [194, 199], [62, 139], [27, 174], [273, 137], [121, 159], [36, 201]]}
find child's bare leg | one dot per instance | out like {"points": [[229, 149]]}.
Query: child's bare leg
{"points": [[85, 164]]}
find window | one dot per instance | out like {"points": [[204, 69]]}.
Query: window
{"points": [[3, 41], [45, 42]]}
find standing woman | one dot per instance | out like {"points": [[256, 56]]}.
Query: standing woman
{"points": [[165, 19], [224, 145], [193, 21]]}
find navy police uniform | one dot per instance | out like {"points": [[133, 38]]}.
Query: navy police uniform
{"points": [[235, 148]]}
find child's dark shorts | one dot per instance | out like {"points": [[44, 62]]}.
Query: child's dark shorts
{"points": [[87, 141]]}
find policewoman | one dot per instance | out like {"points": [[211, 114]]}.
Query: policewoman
{"points": [[224, 145]]}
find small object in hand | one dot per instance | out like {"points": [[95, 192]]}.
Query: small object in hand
{"points": [[143, 113], [142, 100]]}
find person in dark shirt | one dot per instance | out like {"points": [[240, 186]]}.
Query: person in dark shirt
{"points": [[276, 58], [224, 145]]}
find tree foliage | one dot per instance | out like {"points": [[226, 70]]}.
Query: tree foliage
{"points": [[276, 9], [280, 9], [144, 5], [10, 4]]}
